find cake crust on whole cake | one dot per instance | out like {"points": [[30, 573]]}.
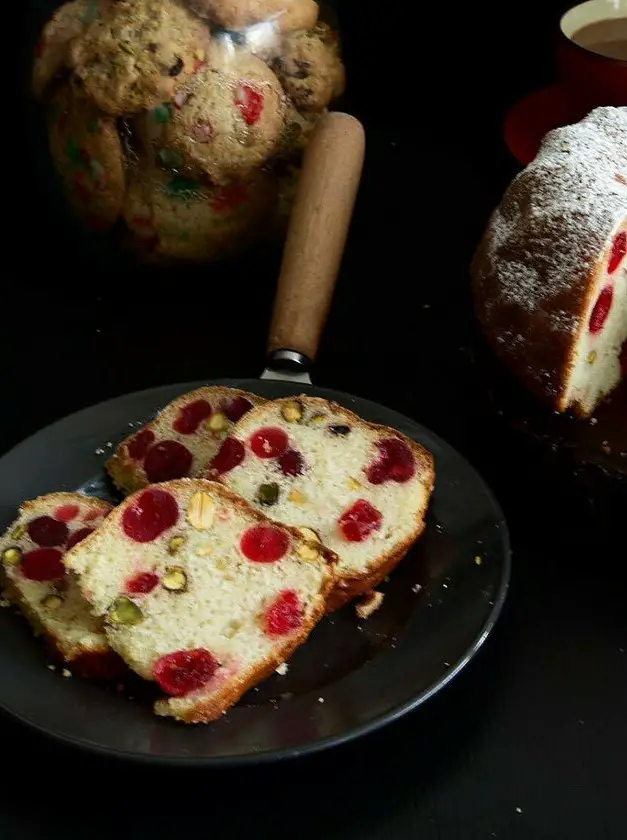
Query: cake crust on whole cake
{"points": [[550, 274]]}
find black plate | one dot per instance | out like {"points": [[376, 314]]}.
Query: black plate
{"points": [[350, 678]]}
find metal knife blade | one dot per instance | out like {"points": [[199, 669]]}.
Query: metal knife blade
{"points": [[285, 376], [288, 366]]}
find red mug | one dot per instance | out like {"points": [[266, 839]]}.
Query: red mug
{"points": [[591, 54]]}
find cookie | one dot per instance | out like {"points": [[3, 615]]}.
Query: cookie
{"points": [[176, 217], [310, 68], [87, 152], [227, 121], [297, 130], [137, 53], [52, 49], [285, 15], [287, 184]]}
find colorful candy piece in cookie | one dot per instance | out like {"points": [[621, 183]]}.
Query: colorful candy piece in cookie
{"points": [[361, 489], [180, 218], [87, 152], [310, 68], [35, 579], [201, 593], [53, 47], [182, 439], [137, 53], [228, 119], [285, 15]]}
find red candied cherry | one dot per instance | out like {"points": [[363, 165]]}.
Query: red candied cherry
{"points": [[184, 671], [150, 515], [66, 513], [78, 536], [42, 564], [191, 416], [395, 462], [623, 360], [292, 463], [619, 249], [228, 198], [99, 665], [264, 544], [139, 445], [48, 532], [250, 103], [359, 521], [229, 456], [142, 583], [167, 460], [237, 408], [284, 615], [269, 442], [202, 131], [601, 310]]}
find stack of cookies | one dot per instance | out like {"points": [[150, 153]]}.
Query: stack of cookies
{"points": [[182, 122]]}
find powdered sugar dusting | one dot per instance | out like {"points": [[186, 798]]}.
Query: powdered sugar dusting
{"points": [[542, 243]]}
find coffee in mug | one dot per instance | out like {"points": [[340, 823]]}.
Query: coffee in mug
{"points": [[592, 53]]}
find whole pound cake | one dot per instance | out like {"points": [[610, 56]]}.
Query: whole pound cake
{"points": [[550, 274], [35, 579], [362, 489], [181, 440], [201, 593]]}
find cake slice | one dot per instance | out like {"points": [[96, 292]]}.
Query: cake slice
{"points": [[362, 489], [35, 579], [182, 438], [200, 592]]}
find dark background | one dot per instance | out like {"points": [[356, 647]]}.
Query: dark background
{"points": [[531, 740]]}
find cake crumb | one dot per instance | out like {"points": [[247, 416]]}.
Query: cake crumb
{"points": [[478, 560], [4, 602], [51, 667], [66, 672], [519, 810], [593, 421], [282, 669], [416, 588], [606, 448], [320, 699], [369, 603]]}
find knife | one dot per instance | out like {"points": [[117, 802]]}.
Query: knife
{"points": [[322, 211]]}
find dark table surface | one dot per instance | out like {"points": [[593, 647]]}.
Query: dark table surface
{"points": [[531, 740]]}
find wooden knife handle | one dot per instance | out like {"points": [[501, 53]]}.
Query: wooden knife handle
{"points": [[317, 232]]}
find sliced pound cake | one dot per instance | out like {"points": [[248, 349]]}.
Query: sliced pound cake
{"points": [[181, 440], [362, 489], [201, 592], [35, 579]]}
